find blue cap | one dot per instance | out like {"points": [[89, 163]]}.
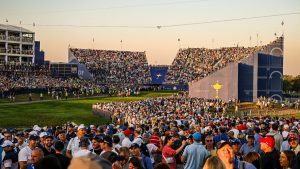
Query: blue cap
{"points": [[197, 136]]}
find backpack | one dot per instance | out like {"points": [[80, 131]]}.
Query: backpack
{"points": [[145, 150]]}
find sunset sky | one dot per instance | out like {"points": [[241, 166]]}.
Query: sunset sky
{"points": [[200, 23]]}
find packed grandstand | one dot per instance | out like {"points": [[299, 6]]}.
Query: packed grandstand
{"points": [[116, 71]]}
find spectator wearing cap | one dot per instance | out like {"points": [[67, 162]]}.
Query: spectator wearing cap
{"points": [[250, 146], [47, 149], [293, 140], [107, 153], [270, 158], [62, 138], [73, 145], [25, 153], [152, 149], [285, 132], [41, 144], [10, 159], [126, 141], [96, 145], [155, 138], [168, 152], [7, 135], [138, 137], [36, 155], [63, 160], [236, 146], [70, 132], [209, 145], [84, 145], [194, 154], [93, 130], [136, 152], [226, 154]]}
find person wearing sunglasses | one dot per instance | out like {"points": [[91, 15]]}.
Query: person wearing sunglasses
{"points": [[293, 140], [209, 145]]}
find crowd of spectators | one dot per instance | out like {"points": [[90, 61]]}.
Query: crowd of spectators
{"points": [[171, 132], [27, 77], [116, 69], [196, 63]]}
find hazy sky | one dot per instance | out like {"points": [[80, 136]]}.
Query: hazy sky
{"points": [[140, 19]]}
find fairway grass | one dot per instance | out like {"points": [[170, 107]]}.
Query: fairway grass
{"points": [[52, 113]]}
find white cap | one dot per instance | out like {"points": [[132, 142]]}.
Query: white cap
{"points": [[33, 133], [36, 128], [286, 126], [7, 143], [43, 134], [81, 126]]}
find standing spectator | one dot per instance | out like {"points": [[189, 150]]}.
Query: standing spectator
{"points": [[84, 145], [10, 159], [126, 141], [116, 141], [221, 136], [47, 149], [236, 146], [62, 138], [271, 155], [25, 153], [63, 160], [70, 132], [96, 145], [138, 137], [136, 152], [152, 149], [209, 145], [250, 146], [225, 153], [107, 151], [293, 140], [194, 154], [277, 137], [36, 155], [287, 159], [73, 145], [168, 153]]}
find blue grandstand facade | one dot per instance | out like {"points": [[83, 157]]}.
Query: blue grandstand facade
{"points": [[258, 75]]}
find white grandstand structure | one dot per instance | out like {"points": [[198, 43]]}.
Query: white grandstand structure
{"points": [[16, 45]]}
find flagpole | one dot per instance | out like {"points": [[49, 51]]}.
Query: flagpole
{"points": [[282, 24], [93, 43], [121, 44]]}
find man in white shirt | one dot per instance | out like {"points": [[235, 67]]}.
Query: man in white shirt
{"points": [[83, 148], [25, 153], [126, 141], [73, 145], [137, 137]]}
